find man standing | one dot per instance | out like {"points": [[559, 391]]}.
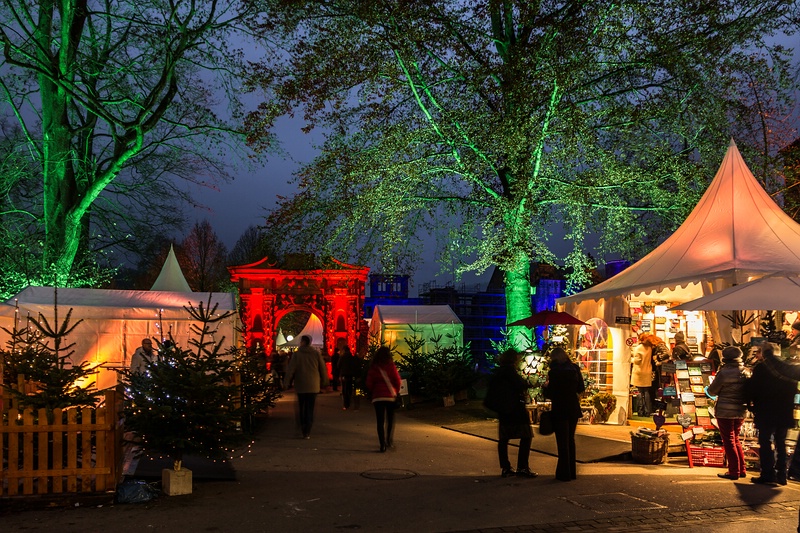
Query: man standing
{"points": [[772, 402], [143, 353], [307, 370]]}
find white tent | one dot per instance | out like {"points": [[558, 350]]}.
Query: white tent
{"points": [[115, 322], [773, 292], [280, 340], [391, 324], [171, 277], [313, 328], [736, 233]]}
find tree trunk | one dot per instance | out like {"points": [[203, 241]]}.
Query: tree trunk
{"points": [[518, 301]]}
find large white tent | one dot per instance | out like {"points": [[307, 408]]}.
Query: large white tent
{"points": [[735, 234], [391, 324], [114, 322]]}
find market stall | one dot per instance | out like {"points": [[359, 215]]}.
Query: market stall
{"points": [[735, 234]]}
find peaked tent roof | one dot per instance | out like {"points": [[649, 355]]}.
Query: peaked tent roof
{"points": [[171, 276], [736, 233], [313, 328]]}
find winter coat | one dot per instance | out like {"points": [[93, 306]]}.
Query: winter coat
{"points": [[349, 364], [379, 390], [681, 352], [642, 371], [564, 386], [729, 388], [772, 398], [308, 369], [505, 395]]}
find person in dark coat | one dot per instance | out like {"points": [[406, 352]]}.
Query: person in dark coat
{"points": [[729, 388], [564, 386], [681, 351], [772, 402], [349, 368], [337, 354], [506, 396]]}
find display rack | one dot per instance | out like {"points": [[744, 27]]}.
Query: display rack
{"points": [[691, 379]]}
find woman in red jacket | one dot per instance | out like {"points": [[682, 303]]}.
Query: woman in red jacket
{"points": [[383, 384]]}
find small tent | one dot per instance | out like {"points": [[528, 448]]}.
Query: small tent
{"points": [[391, 324], [313, 329]]}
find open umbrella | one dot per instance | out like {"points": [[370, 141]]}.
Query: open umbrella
{"points": [[548, 318]]}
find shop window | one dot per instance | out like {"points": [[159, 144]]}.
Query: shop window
{"points": [[596, 354]]}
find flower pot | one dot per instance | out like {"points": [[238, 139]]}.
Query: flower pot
{"points": [[449, 400]]}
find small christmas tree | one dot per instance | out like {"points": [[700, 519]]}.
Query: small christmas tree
{"points": [[184, 402], [56, 382]]}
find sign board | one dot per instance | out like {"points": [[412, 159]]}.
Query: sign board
{"points": [[622, 320]]}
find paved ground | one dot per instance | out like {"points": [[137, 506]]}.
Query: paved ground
{"points": [[436, 480]]}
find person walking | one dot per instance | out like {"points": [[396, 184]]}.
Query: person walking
{"points": [[349, 369], [505, 395], [337, 354], [772, 403], [564, 386], [308, 371], [383, 384], [729, 388]]}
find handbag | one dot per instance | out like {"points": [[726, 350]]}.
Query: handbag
{"points": [[546, 423]]}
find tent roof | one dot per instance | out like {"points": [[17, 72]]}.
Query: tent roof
{"points": [[415, 314], [735, 232], [313, 328], [171, 277], [114, 304]]}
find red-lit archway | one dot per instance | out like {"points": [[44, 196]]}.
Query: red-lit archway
{"points": [[335, 293]]}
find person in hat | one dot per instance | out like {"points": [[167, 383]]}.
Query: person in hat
{"points": [[729, 388], [681, 352], [564, 386]]}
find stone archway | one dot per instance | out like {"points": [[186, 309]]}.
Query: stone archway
{"points": [[334, 292]]}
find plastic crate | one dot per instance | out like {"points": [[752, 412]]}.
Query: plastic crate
{"points": [[705, 456]]}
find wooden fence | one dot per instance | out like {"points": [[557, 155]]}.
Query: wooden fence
{"points": [[75, 450]]}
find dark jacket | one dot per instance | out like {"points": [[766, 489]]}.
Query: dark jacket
{"points": [[681, 352], [564, 386], [349, 364], [505, 394], [771, 398], [729, 388]]}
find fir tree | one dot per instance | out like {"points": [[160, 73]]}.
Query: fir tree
{"points": [[185, 402]]}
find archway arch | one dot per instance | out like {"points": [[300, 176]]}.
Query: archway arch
{"points": [[334, 292]]}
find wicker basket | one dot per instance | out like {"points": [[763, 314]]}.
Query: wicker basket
{"points": [[649, 450]]}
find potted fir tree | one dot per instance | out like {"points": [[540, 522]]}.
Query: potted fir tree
{"points": [[184, 403]]}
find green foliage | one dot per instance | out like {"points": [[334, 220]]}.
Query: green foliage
{"points": [[185, 401], [443, 370], [770, 331], [487, 124], [258, 389], [47, 367]]}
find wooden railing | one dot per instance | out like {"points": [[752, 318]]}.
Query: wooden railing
{"points": [[64, 451]]}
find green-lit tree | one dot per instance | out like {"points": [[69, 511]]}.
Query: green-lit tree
{"points": [[113, 100], [185, 402], [488, 123]]}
